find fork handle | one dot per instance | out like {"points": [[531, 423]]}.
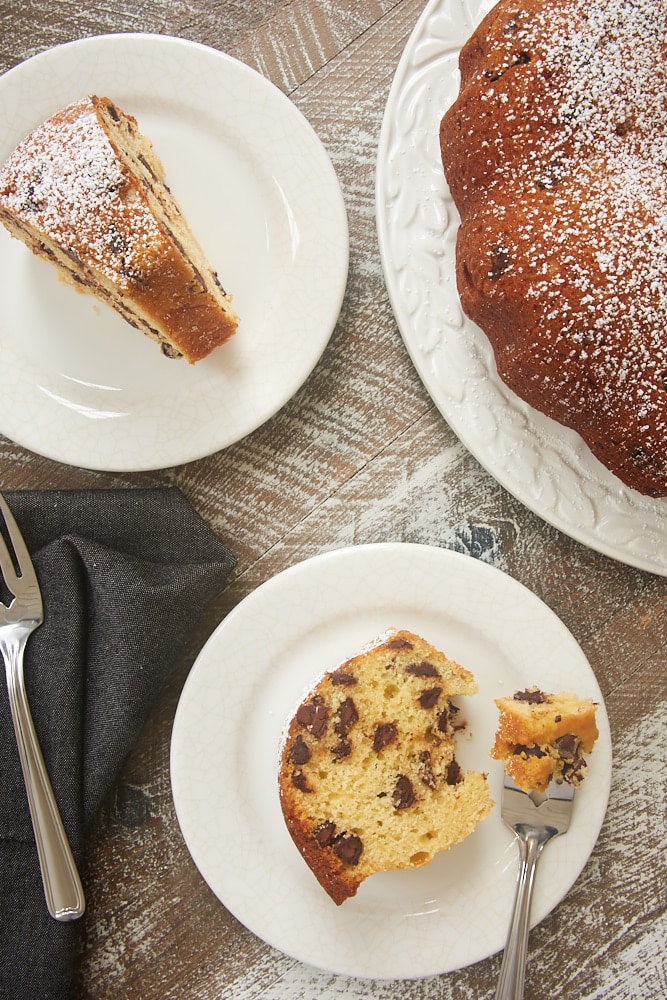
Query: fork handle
{"points": [[62, 886], [512, 972]]}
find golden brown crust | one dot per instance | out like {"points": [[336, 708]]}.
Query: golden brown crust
{"points": [[86, 191], [553, 153], [368, 777], [542, 737]]}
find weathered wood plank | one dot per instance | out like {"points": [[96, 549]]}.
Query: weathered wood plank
{"points": [[33, 25]]}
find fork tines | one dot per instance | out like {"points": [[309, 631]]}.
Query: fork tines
{"points": [[17, 575]]}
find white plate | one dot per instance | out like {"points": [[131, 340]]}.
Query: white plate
{"points": [[246, 684], [260, 193], [546, 466]]}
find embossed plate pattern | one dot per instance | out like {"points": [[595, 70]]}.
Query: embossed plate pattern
{"points": [[546, 466], [245, 686], [260, 193]]}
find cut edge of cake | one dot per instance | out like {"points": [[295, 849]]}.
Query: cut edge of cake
{"points": [[368, 777]]}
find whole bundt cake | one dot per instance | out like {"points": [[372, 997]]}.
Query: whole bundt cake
{"points": [[555, 153]]}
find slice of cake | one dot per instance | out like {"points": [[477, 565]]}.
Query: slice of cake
{"points": [[86, 191], [543, 737], [368, 778]]}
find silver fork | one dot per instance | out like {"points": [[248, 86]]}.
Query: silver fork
{"points": [[535, 819], [18, 620]]}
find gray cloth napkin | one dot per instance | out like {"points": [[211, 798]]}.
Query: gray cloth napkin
{"points": [[124, 576]]}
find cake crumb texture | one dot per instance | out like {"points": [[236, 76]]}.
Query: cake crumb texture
{"points": [[543, 737], [369, 780]]}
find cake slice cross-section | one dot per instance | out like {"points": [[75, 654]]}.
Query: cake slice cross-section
{"points": [[369, 780]]}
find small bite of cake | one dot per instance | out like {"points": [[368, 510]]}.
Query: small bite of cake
{"points": [[369, 780], [543, 737], [86, 191]]}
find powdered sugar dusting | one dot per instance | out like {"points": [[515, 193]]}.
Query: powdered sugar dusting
{"points": [[66, 180], [568, 200], [613, 124]]}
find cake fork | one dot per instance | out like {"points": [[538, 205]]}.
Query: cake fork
{"points": [[19, 618], [535, 819]]}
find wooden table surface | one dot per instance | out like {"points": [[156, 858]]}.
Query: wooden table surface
{"points": [[360, 454]]}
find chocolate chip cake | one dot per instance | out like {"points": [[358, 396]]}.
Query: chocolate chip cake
{"points": [[554, 152], [369, 780], [86, 191], [543, 737]]}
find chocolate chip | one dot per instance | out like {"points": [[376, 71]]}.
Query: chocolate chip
{"points": [[197, 284], [132, 274], [29, 203], [500, 261], [453, 775], [531, 695], [169, 351], [45, 250], [347, 716], [325, 832], [429, 698], [552, 175], [426, 774], [532, 751], [568, 745], [299, 781], [403, 795], [299, 752], [73, 256], [573, 771], [342, 678], [217, 281], [115, 240], [305, 715], [642, 458], [342, 749], [444, 720], [348, 848], [385, 733], [624, 126], [517, 59], [399, 643], [313, 716], [423, 669], [320, 721], [142, 159]]}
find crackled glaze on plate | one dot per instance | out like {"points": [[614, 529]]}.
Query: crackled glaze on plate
{"points": [[82, 386], [546, 466], [244, 688]]}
